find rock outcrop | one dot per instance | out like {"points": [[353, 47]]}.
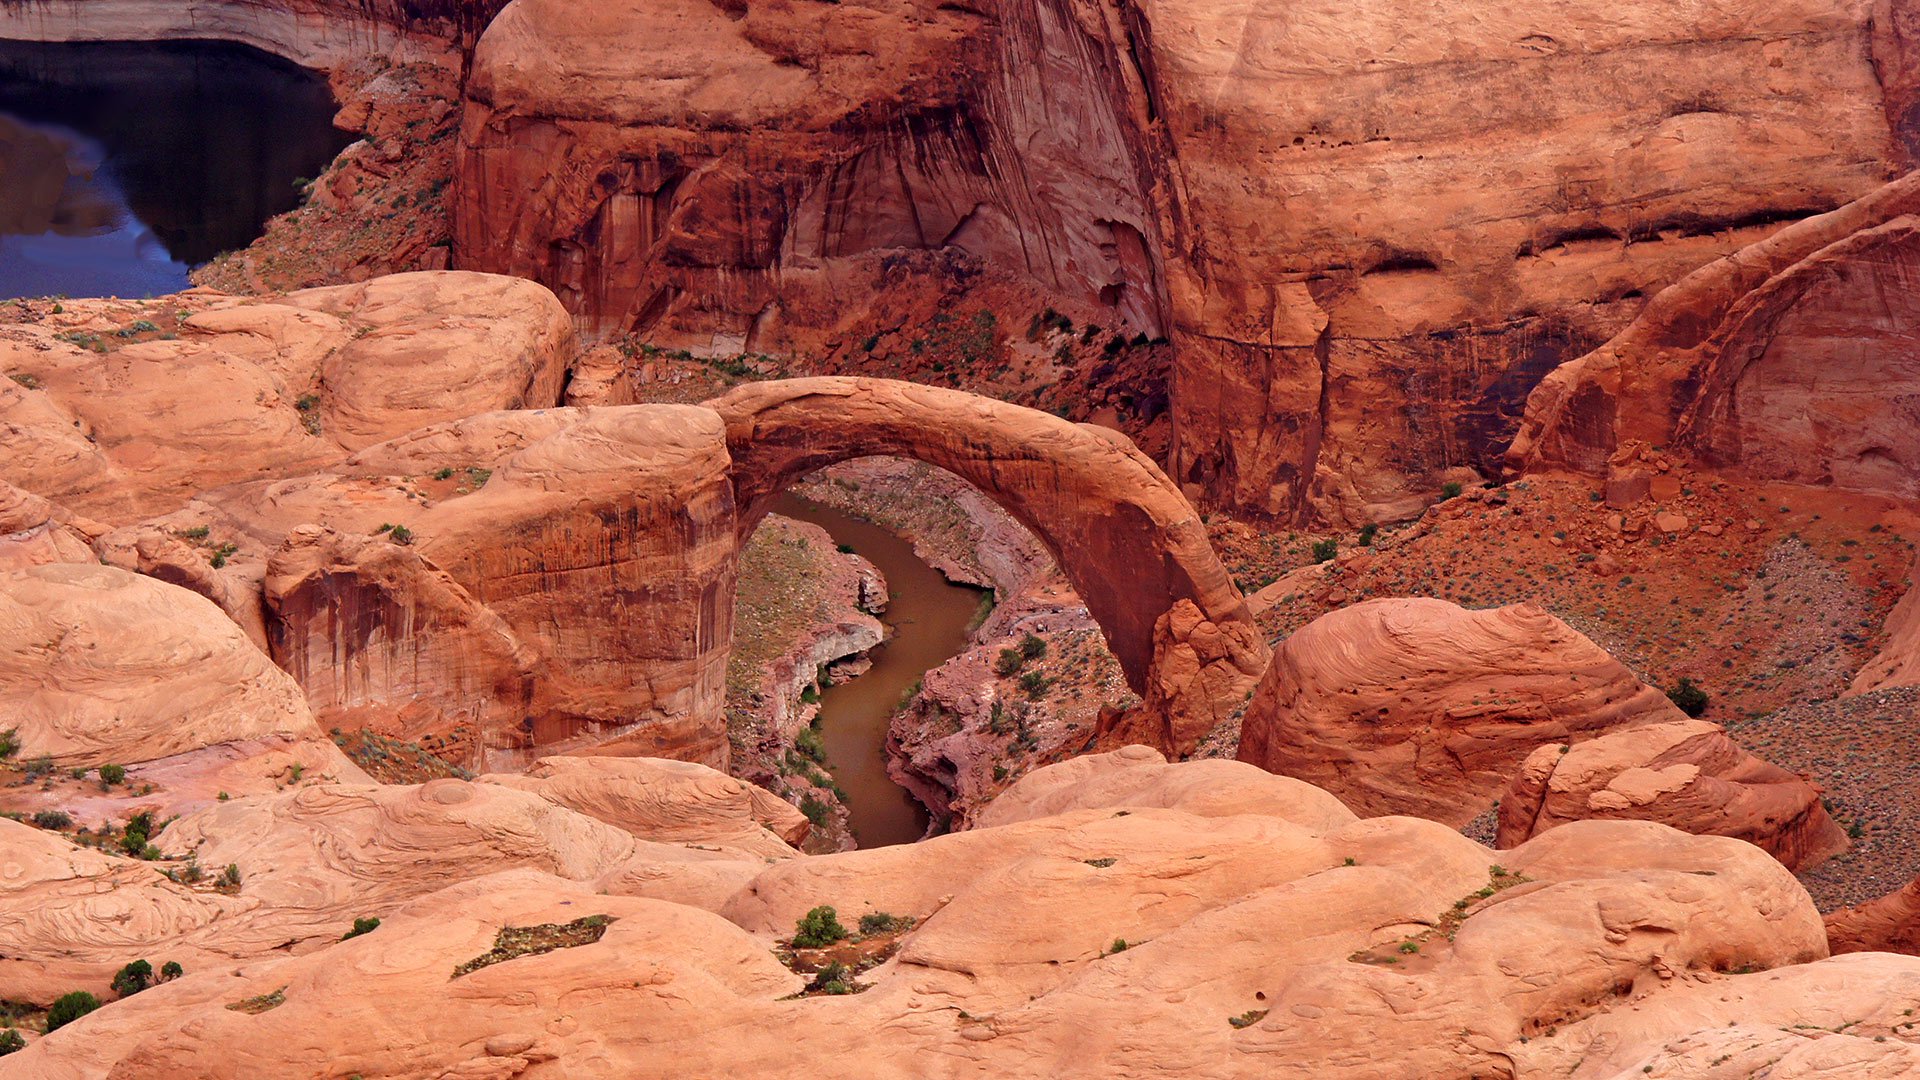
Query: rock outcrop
{"points": [[665, 801], [325, 34], [581, 597], [739, 169], [1898, 662], [100, 666], [1187, 170], [1420, 707], [121, 420], [1787, 361], [1471, 197], [34, 531], [1263, 930], [1686, 774]]}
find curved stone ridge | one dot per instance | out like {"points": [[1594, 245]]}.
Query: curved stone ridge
{"points": [[1787, 360], [1417, 706]]}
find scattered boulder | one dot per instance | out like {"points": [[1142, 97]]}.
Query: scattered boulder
{"points": [[1418, 706], [1686, 774]]}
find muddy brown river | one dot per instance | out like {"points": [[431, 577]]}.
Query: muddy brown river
{"points": [[929, 620]]}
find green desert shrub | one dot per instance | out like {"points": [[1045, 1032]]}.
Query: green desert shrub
{"points": [[70, 1007], [818, 928]]}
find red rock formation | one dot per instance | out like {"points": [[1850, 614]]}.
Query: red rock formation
{"points": [[275, 387], [1386, 254], [34, 531], [100, 666], [1421, 707], [1193, 171], [1889, 924], [666, 801], [1898, 662], [737, 168], [1267, 916], [313, 33], [581, 597], [1785, 361], [1132, 546], [1686, 774]]}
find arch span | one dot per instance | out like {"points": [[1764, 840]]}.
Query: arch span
{"points": [[1133, 547]]}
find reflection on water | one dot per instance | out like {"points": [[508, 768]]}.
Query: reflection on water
{"points": [[123, 165], [931, 619]]}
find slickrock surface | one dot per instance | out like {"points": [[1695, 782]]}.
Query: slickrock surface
{"points": [[34, 531], [101, 666], [1686, 774], [130, 408], [666, 801], [1420, 707], [313, 33], [1266, 934]]}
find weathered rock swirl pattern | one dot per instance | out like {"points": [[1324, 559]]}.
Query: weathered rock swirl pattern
{"points": [[1420, 707], [1686, 774], [1607, 949], [100, 666]]}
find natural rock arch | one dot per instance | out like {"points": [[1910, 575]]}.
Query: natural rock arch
{"points": [[1133, 547]]}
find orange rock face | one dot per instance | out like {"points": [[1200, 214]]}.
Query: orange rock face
{"points": [[1258, 917], [1686, 774], [1115, 524], [737, 168], [1421, 707], [581, 597], [253, 389], [1786, 361], [100, 666]]}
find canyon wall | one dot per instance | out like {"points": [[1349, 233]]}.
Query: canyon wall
{"points": [[1369, 232], [728, 177], [1399, 219]]}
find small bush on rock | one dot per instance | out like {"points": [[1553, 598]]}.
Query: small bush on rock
{"points": [[133, 978], [70, 1007], [818, 928]]}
